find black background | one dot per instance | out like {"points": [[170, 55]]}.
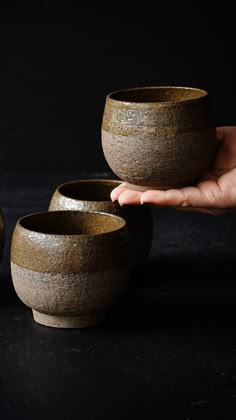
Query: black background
{"points": [[169, 350], [60, 59]]}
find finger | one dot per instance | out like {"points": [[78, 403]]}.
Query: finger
{"points": [[129, 197], [220, 134], [223, 132], [206, 194], [117, 191], [173, 197]]}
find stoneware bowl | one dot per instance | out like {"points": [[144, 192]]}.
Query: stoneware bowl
{"points": [[94, 195], [2, 233], [70, 267], [158, 137]]}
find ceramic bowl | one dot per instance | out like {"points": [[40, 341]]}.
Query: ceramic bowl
{"points": [[158, 137], [70, 267], [94, 195], [2, 233]]}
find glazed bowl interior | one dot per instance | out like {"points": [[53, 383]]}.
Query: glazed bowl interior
{"points": [[88, 190], [72, 223], [158, 94]]}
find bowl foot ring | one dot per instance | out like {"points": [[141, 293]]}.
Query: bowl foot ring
{"points": [[79, 321]]}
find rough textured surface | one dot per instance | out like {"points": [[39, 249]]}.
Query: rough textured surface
{"points": [[78, 265], [94, 195], [81, 299], [49, 244], [159, 137]]}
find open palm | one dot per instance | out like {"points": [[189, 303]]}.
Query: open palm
{"points": [[215, 193]]}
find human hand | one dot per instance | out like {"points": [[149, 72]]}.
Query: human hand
{"points": [[215, 193]]}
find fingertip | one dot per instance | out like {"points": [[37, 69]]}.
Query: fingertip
{"points": [[129, 197], [115, 193], [120, 201], [143, 199], [220, 134], [146, 197], [113, 196]]}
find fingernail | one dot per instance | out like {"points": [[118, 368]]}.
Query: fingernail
{"points": [[112, 198], [141, 200]]}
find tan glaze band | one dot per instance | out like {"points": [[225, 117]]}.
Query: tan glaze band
{"points": [[69, 253], [57, 254], [61, 202], [128, 119]]}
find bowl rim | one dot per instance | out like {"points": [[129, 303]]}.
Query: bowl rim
{"points": [[20, 226], [85, 181], [202, 94]]}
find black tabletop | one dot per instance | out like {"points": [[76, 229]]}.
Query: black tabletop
{"points": [[168, 351]]}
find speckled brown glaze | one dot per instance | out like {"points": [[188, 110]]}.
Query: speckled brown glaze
{"points": [[70, 267], [158, 137], [2, 233], [94, 195]]}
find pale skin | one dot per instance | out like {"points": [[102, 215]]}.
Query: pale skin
{"points": [[215, 193]]}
